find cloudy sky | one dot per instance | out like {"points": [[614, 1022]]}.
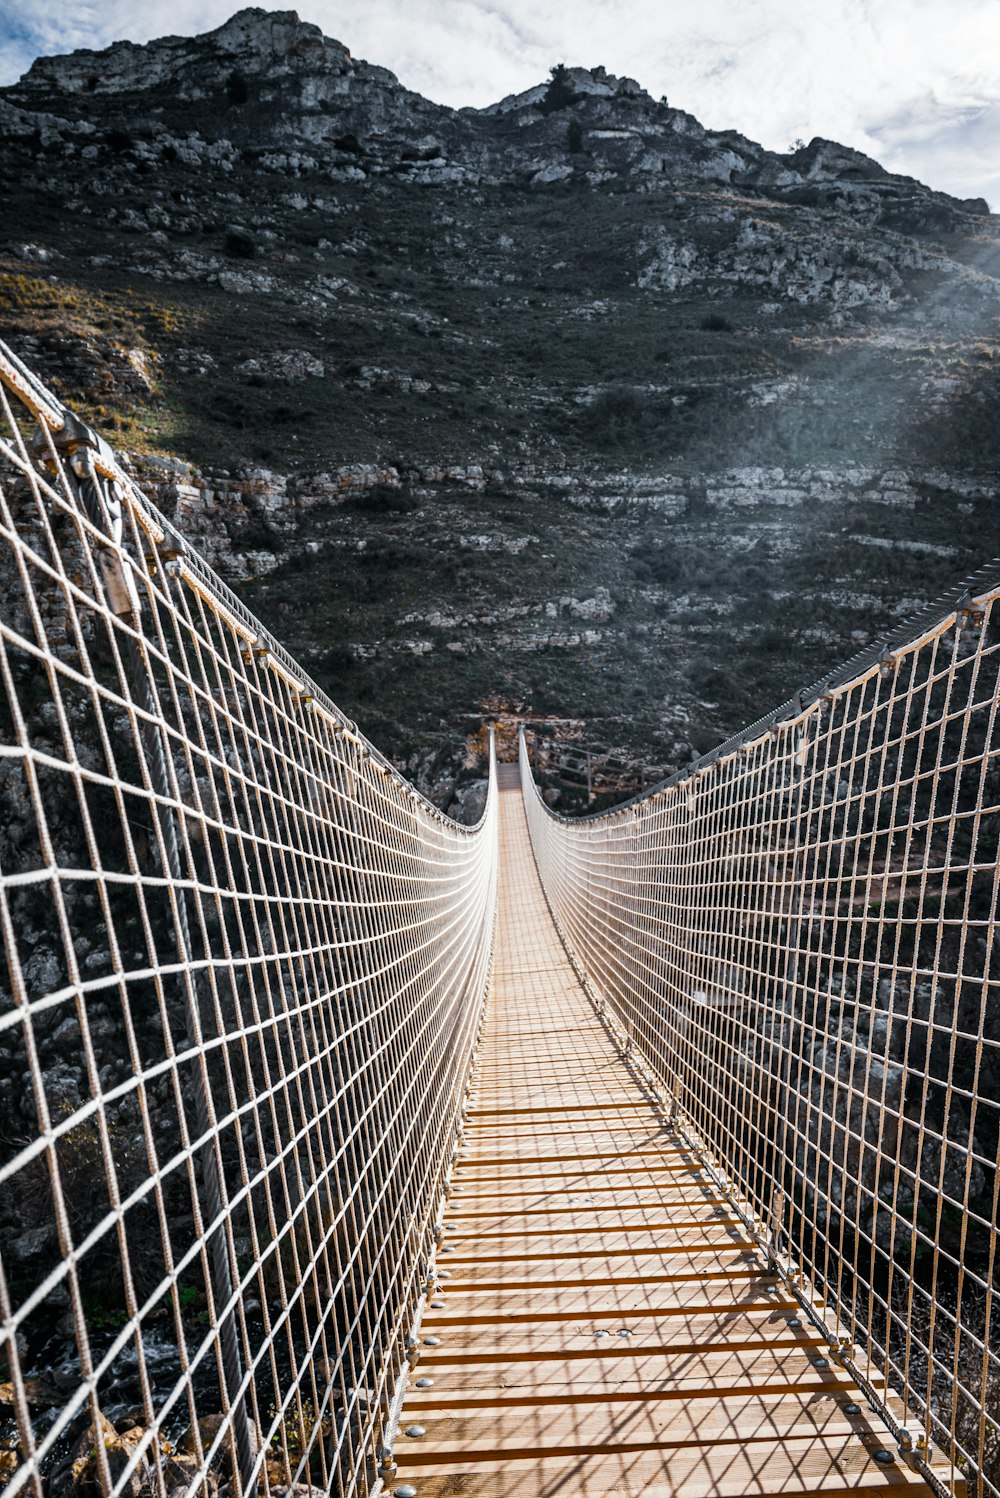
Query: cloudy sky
{"points": [[915, 83]]}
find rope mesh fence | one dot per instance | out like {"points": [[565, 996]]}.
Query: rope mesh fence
{"points": [[799, 937], [244, 968]]}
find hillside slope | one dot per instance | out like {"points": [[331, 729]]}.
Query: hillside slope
{"points": [[570, 403]]}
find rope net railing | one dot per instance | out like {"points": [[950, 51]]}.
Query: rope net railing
{"points": [[799, 936], [244, 964]]}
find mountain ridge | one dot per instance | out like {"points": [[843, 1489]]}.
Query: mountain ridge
{"points": [[270, 47]]}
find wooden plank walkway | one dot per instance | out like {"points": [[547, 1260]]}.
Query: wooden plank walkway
{"points": [[602, 1324]]}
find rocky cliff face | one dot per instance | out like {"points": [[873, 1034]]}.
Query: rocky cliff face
{"points": [[268, 80], [571, 402]]}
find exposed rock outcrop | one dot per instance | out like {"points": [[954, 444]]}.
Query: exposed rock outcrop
{"points": [[269, 83]]}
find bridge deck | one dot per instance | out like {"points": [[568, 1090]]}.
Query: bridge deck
{"points": [[605, 1326]]}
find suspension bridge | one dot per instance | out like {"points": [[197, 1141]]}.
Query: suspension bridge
{"points": [[344, 1149]]}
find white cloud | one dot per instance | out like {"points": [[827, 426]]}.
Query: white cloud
{"points": [[914, 82]]}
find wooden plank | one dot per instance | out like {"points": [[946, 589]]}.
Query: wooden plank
{"points": [[657, 1377], [593, 1230], [485, 1251], [688, 1318], [570, 1205], [650, 1173], [533, 1111], [464, 1299], [839, 1468], [475, 1129], [533, 1196], [564, 1220], [626, 1150], [575, 1257], [681, 1333], [634, 1264], [752, 1418], [489, 1389], [610, 1303], [680, 1179], [654, 1374], [565, 1278], [597, 1136]]}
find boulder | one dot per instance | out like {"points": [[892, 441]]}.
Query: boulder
{"points": [[121, 1452]]}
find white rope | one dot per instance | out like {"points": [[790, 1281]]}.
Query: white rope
{"points": [[801, 939], [244, 965]]}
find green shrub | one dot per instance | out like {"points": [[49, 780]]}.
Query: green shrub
{"points": [[560, 93], [120, 141], [237, 88], [614, 417], [336, 664], [383, 499], [239, 245]]}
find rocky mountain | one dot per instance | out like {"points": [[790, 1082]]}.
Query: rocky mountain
{"points": [[570, 405]]}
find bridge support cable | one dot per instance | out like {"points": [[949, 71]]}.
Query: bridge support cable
{"points": [[799, 934], [244, 965]]}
